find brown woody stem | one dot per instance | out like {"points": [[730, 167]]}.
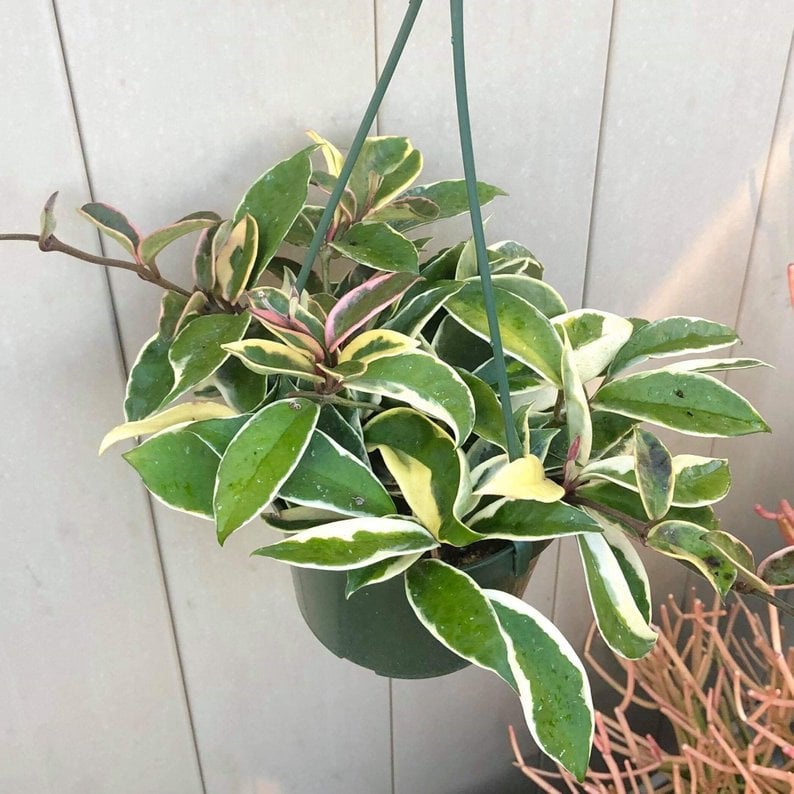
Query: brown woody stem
{"points": [[640, 527], [52, 243]]}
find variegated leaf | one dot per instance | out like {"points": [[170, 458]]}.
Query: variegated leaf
{"points": [[488, 417], [179, 414], [686, 541], [451, 198], [523, 478], [452, 607], [520, 519], [377, 343], [350, 544], [622, 622], [715, 364], [416, 310], [630, 564], [379, 246], [259, 460], [150, 380], [777, 570], [595, 337], [423, 381], [114, 224], [266, 357], [152, 244], [577, 409], [552, 682], [235, 259], [331, 478], [431, 473], [541, 295], [379, 572], [653, 468], [295, 519]]}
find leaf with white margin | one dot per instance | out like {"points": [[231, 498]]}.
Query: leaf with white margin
{"points": [[432, 474], [150, 380], [453, 608], [620, 620], [552, 682], [488, 417], [715, 364], [631, 565], [519, 519], [527, 334], [178, 469], [699, 481], [329, 477], [672, 336], [577, 410], [273, 358], [541, 295], [198, 351], [686, 541], [295, 519], [423, 381], [523, 478], [741, 557], [234, 261], [777, 570], [354, 543], [690, 402], [379, 572], [653, 468], [259, 460], [377, 343], [595, 337], [179, 414], [417, 309]]}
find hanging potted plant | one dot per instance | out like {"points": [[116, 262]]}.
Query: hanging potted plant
{"points": [[420, 427]]}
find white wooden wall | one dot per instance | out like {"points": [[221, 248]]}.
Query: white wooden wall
{"points": [[648, 149]]}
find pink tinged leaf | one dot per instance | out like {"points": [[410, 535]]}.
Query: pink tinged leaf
{"points": [[149, 247], [269, 316], [363, 303], [279, 327]]}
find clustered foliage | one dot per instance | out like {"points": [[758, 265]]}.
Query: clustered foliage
{"points": [[362, 415]]}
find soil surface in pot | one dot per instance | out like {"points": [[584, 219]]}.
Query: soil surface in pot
{"points": [[471, 554]]}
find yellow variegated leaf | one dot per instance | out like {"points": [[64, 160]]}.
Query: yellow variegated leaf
{"points": [[524, 478], [179, 414], [235, 259], [377, 343], [333, 157], [267, 357]]}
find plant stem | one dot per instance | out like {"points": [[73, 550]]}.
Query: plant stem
{"points": [[467, 153], [358, 141], [333, 399], [52, 243], [640, 527]]}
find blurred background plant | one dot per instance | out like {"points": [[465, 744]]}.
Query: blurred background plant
{"points": [[723, 681]]}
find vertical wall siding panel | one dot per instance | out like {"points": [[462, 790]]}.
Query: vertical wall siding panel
{"points": [[691, 100], [182, 109], [762, 470], [91, 698], [535, 73]]}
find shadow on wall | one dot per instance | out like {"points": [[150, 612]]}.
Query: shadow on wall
{"points": [[704, 252]]}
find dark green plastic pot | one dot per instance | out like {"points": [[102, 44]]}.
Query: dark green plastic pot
{"points": [[376, 627]]}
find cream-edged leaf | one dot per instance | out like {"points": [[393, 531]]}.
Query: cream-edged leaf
{"points": [[379, 572]]}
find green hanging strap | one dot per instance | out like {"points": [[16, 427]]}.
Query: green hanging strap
{"points": [[467, 152], [358, 142]]}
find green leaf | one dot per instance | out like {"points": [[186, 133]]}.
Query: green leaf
{"points": [[431, 473], [451, 606], [653, 467], [266, 357], [240, 387], [426, 383], [150, 381], [552, 682], [577, 410], [295, 519], [152, 244], [379, 572], [620, 620], [488, 417], [689, 402], [259, 460], [715, 364], [526, 334], [595, 338], [198, 351], [350, 544], [543, 297], [450, 197], [740, 556], [275, 200], [203, 260], [412, 315], [179, 414], [631, 565], [235, 259], [217, 433], [377, 343], [114, 224], [330, 477], [524, 519], [608, 431], [400, 178], [406, 209], [379, 155], [683, 540], [179, 469], [459, 347], [672, 336], [333, 424], [378, 246], [700, 481]]}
